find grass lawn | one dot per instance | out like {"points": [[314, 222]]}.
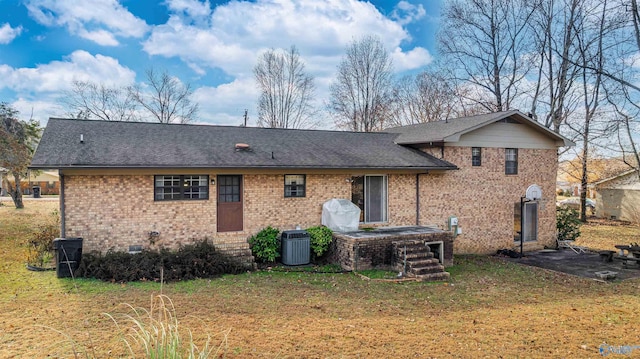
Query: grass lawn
{"points": [[489, 308]]}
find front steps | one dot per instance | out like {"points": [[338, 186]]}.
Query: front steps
{"points": [[237, 250], [415, 260]]}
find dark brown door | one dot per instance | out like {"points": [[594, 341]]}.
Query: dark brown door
{"points": [[229, 203]]}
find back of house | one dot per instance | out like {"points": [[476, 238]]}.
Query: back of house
{"points": [[129, 185]]}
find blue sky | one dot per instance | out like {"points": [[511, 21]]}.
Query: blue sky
{"points": [[46, 44]]}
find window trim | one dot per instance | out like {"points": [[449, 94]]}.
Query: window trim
{"points": [[182, 188], [476, 160], [297, 186], [513, 169]]}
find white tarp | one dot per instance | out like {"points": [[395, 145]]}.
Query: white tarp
{"points": [[340, 215]]}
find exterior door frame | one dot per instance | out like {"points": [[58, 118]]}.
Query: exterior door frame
{"points": [[530, 218], [230, 203], [365, 201]]}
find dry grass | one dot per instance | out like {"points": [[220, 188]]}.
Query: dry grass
{"points": [[490, 308], [605, 234]]}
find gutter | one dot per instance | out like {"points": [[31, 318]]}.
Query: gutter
{"points": [[63, 229]]}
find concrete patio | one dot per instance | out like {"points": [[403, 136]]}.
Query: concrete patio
{"points": [[584, 265]]}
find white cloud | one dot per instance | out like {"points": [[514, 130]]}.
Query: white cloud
{"points": [[191, 8], [100, 21], [57, 76], [413, 59], [8, 33], [100, 37], [39, 110], [405, 12], [237, 31], [225, 104]]}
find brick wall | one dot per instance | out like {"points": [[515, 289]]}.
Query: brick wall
{"points": [[483, 197], [113, 212], [377, 252], [265, 204], [116, 211]]}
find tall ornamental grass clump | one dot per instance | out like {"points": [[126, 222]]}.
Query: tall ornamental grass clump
{"points": [[156, 333]]}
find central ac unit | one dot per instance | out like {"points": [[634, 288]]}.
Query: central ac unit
{"points": [[296, 247]]}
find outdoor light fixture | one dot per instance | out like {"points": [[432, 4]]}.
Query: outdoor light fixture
{"points": [[213, 181]]}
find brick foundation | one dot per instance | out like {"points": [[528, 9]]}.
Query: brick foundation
{"points": [[377, 251]]}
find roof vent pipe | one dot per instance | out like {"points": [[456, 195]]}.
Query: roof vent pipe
{"points": [[81, 138]]}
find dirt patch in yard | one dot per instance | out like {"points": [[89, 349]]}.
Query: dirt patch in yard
{"points": [[490, 308]]}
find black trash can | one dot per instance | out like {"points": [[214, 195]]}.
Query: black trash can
{"points": [[68, 255], [36, 191]]}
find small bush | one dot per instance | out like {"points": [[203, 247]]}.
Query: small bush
{"points": [[567, 223], [40, 243], [199, 260], [265, 245], [321, 238]]}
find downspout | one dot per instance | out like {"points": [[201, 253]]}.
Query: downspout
{"points": [[417, 199], [62, 216]]}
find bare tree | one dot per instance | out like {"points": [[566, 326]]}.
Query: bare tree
{"points": [[486, 42], [165, 99], [286, 90], [555, 33], [360, 96], [429, 96], [594, 27], [426, 97], [620, 90], [98, 101]]}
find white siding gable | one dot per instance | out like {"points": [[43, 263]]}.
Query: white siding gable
{"points": [[505, 135]]}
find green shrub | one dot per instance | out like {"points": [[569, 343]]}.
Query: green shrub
{"points": [[567, 223], [265, 245], [321, 238], [199, 260]]}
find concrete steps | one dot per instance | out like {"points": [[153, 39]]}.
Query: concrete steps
{"points": [[238, 250], [415, 259]]}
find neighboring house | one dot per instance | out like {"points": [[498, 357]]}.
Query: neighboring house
{"points": [[618, 197], [48, 181], [129, 184]]}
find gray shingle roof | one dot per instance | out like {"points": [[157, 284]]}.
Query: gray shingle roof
{"points": [[153, 145], [451, 130]]}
